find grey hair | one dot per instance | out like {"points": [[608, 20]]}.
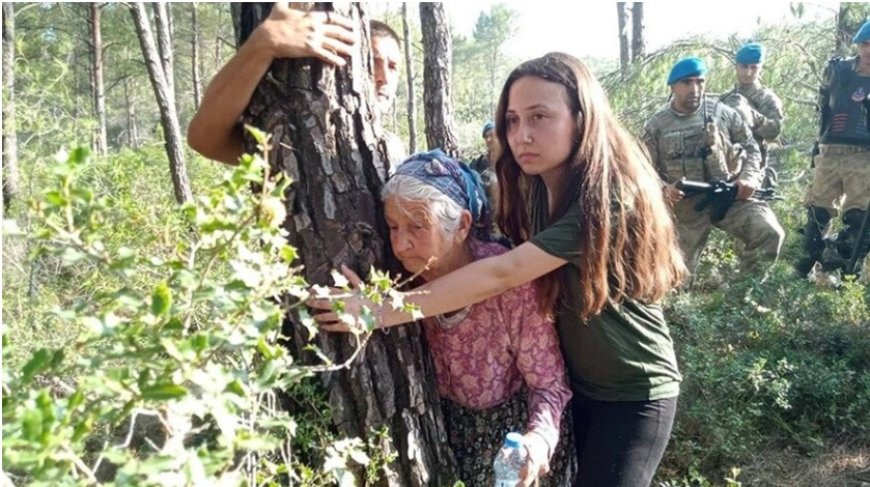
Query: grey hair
{"points": [[445, 211]]}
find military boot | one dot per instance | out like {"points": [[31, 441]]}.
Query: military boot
{"points": [[838, 251], [814, 245]]}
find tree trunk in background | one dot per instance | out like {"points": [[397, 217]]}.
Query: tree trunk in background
{"points": [[194, 56], [638, 34], [843, 36], [321, 119], [850, 17], [10, 136], [624, 45], [437, 67], [164, 45], [409, 71], [165, 101], [97, 86], [132, 128]]}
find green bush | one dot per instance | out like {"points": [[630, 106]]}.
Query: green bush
{"points": [[157, 361]]}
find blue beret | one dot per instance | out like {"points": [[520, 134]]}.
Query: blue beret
{"points": [[751, 53], [487, 127], [863, 33], [687, 67]]}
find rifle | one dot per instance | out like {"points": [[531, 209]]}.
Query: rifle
{"points": [[719, 196]]}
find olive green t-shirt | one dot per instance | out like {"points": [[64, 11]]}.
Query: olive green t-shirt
{"points": [[625, 353]]}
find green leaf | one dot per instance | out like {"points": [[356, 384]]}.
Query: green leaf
{"points": [[31, 423], [163, 392], [161, 300], [37, 363], [258, 135], [55, 198], [289, 254], [71, 256], [236, 388]]}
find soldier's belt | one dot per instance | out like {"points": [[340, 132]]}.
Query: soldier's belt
{"points": [[840, 149]]}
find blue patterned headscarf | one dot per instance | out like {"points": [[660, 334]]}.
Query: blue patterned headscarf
{"points": [[455, 179]]}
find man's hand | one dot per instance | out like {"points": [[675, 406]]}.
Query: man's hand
{"points": [[751, 116], [744, 190], [672, 194], [291, 33]]}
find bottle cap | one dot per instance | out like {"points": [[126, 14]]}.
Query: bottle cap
{"points": [[513, 440]]}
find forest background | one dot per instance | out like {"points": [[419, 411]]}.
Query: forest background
{"points": [[112, 289]]}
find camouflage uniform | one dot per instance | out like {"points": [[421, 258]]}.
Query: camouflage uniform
{"points": [[676, 143], [842, 168], [761, 109]]}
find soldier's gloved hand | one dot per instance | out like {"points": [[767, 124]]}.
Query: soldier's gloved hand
{"points": [[744, 190]]}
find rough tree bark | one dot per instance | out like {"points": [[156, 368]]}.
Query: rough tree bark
{"points": [[194, 56], [437, 67], [321, 119], [409, 72], [638, 32], [165, 102], [624, 45], [97, 86], [10, 135]]}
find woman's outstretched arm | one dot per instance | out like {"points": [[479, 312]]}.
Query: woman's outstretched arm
{"points": [[468, 285]]}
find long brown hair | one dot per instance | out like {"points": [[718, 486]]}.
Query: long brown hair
{"points": [[628, 244]]}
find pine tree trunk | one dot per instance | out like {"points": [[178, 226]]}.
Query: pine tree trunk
{"points": [[164, 45], [194, 56], [409, 68], [842, 40], [98, 89], [437, 67], [10, 135], [638, 32], [165, 102], [624, 46], [132, 130], [321, 120]]}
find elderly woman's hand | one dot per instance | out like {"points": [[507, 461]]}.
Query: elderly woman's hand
{"points": [[537, 460], [328, 319]]}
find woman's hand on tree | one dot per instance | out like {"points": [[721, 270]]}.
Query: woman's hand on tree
{"points": [[328, 319]]}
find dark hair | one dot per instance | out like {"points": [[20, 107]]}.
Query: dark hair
{"points": [[381, 29], [628, 244]]}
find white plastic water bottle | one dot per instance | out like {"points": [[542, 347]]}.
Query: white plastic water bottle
{"points": [[509, 461]]}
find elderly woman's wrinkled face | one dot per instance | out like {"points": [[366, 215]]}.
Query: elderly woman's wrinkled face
{"points": [[416, 236]]}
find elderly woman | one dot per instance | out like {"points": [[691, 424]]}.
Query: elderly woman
{"points": [[498, 362], [582, 202]]}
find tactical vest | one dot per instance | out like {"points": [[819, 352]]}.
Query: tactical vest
{"points": [[682, 148], [846, 124]]}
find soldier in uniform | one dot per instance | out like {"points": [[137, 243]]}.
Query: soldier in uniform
{"points": [[842, 165], [699, 139], [759, 106]]}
